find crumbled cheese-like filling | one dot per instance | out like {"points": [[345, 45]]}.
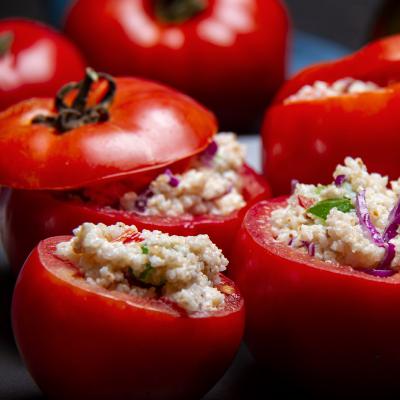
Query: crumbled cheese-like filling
{"points": [[340, 238], [212, 185], [148, 263], [321, 90]]}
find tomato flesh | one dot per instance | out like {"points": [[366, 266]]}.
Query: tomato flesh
{"points": [[30, 216], [80, 340], [328, 327]]}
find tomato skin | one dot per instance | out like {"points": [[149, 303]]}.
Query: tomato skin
{"points": [[30, 216], [328, 327], [228, 53], [306, 140], [150, 126], [79, 341], [36, 63]]}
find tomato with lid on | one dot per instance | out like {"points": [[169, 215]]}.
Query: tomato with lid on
{"points": [[123, 149]]}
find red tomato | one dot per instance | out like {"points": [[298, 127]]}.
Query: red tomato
{"points": [[326, 326], [146, 127], [306, 140], [230, 55], [31, 216], [79, 340], [35, 60], [149, 126]]}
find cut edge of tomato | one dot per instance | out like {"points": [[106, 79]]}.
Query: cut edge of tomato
{"points": [[259, 190], [342, 98], [385, 52], [260, 232], [67, 272]]}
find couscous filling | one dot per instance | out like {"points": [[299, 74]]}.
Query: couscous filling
{"points": [[150, 264], [352, 221], [321, 90], [211, 186]]}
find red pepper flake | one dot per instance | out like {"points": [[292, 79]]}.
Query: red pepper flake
{"points": [[305, 202], [129, 236]]}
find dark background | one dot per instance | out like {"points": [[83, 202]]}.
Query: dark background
{"points": [[346, 21]]}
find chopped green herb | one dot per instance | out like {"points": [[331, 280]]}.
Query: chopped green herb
{"points": [[319, 189], [144, 276], [322, 208], [145, 249]]}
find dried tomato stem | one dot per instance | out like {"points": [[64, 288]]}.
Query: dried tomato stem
{"points": [[79, 114], [6, 39], [178, 11]]}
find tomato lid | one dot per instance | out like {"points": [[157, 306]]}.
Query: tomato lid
{"points": [[99, 129]]}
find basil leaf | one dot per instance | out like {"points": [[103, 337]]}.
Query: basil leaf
{"points": [[322, 208]]}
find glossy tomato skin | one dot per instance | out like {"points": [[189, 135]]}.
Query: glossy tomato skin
{"points": [[38, 62], [79, 341], [30, 216], [149, 126], [306, 140], [329, 328], [231, 56]]}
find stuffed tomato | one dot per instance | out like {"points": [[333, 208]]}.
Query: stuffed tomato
{"points": [[333, 110], [319, 275], [122, 313], [120, 150]]}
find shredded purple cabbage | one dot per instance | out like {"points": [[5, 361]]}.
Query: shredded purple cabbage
{"points": [[380, 273], [384, 269], [310, 247], [339, 180], [365, 220], [393, 223], [173, 180], [390, 252], [209, 153], [142, 199]]}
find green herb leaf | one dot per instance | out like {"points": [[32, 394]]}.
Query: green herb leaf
{"points": [[322, 208], [145, 249], [144, 276], [320, 188]]}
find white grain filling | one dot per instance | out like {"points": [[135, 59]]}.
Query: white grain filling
{"points": [[182, 269], [209, 187], [321, 90], [340, 239]]}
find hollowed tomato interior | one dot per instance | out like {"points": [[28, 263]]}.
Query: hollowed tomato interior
{"points": [[70, 274], [258, 225]]}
